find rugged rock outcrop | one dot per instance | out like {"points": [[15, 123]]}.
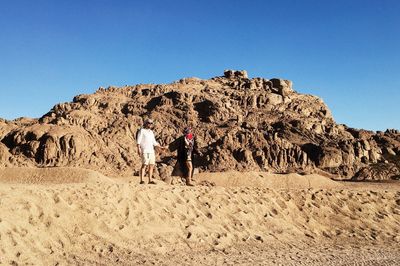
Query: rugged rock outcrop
{"points": [[240, 123]]}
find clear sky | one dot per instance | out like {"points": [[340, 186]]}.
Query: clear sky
{"points": [[345, 51]]}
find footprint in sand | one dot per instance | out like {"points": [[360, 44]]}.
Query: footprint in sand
{"points": [[313, 196], [56, 198], [126, 213], [315, 204], [281, 204]]}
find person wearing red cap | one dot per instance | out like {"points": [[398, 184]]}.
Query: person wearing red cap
{"points": [[186, 147], [189, 146]]}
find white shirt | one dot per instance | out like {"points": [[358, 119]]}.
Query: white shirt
{"points": [[146, 140]]}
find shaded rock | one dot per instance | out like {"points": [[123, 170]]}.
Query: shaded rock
{"points": [[330, 157], [389, 151], [383, 171], [235, 74], [283, 86], [392, 131]]}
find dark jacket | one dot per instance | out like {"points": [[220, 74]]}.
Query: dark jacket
{"points": [[180, 147]]}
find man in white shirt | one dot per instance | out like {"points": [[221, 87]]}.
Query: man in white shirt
{"points": [[145, 145]]}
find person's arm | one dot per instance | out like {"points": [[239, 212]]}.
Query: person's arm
{"points": [[138, 140], [157, 144], [173, 146], [196, 148]]}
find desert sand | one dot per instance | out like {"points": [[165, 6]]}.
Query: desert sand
{"points": [[60, 216]]}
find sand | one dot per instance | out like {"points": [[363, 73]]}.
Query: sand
{"points": [[60, 216]]}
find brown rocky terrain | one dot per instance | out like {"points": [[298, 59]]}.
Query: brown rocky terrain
{"points": [[245, 124]]}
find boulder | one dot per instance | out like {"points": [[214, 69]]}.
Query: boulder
{"points": [[230, 74], [283, 86], [381, 171]]}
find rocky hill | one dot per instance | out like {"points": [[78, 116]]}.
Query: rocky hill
{"points": [[240, 123]]}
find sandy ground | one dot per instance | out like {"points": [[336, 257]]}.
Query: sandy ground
{"points": [[65, 216]]}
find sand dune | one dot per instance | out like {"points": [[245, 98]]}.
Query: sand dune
{"points": [[260, 179], [75, 216], [56, 175]]}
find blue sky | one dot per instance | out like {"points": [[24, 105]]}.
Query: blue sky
{"points": [[345, 51]]}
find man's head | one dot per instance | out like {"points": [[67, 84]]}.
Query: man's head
{"points": [[148, 123]]}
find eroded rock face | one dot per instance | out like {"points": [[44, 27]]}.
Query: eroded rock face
{"points": [[240, 123], [378, 172], [4, 155]]}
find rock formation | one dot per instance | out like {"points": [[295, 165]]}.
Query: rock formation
{"points": [[240, 123]]}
